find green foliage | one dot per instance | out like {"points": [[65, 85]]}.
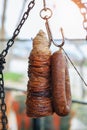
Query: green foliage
{"points": [[15, 77]]}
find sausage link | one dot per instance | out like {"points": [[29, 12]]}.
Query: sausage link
{"points": [[60, 84]]}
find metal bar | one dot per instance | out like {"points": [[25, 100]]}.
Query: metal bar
{"points": [[36, 124], [38, 119], [79, 102]]}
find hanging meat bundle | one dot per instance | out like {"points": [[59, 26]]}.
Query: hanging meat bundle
{"points": [[39, 99], [60, 84]]}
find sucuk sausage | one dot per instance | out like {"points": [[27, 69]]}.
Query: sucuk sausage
{"points": [[60, 84], [39, 97]]}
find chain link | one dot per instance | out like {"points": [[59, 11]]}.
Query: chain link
{"points": [[3, 107], [83, 9], [84, 13], [3, 117]]}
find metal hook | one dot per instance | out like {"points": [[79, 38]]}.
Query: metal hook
{"points": [[45, 16], [51, 38], [44, 3], [49, 32], [63, 39]]}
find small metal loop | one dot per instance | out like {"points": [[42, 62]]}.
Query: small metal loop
{"points": [[1, 76], [25, 15], [2, 94], [1, 86], [44, 15], [31, 4], [16, 32], [83, 11], [1, 82], [4, 53], [19, 26], [22, 21], [10, 42], [4, 119], [85, 24], [3, 107]]}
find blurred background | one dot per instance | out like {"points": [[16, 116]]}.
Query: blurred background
{"points": [[67, 15]]}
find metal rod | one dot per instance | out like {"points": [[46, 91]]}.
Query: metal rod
{"points": [[44, 3], [75, 68], [36, 124], [79, 102]]}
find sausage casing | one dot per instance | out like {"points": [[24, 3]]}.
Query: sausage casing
{"points": [[60, 84], [39, 97]]}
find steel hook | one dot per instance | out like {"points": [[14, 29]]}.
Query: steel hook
{"points": [[63, 39]]}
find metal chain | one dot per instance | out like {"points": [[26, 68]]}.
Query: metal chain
{"points": [[17, 30], [83, 10], [85, 22], [3, 117]]}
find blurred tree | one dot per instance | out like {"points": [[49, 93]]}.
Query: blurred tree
{"points": [[2, 31], [2, 28]]}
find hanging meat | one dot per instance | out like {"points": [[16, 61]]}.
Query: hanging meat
{"points": [[39, 97], [60, 84]]}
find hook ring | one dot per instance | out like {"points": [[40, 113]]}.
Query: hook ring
{"points": [[46, 13]]}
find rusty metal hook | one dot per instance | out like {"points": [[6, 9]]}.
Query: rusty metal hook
{"points": [[63, 40], [51, 40], [45, 16]]}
